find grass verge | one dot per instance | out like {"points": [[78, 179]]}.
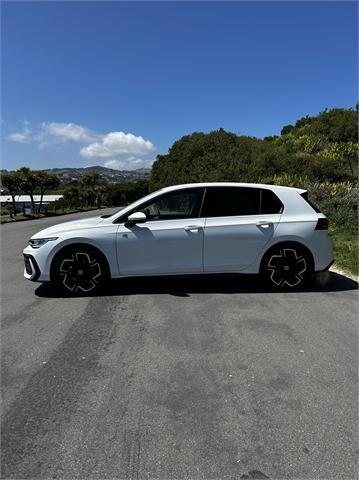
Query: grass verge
{"points": [[20, 217], [345, 249]]}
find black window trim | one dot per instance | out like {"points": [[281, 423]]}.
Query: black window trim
{"points": [[202, 203]]}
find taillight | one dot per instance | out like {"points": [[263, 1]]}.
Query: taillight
{"points": [[322, 224]]}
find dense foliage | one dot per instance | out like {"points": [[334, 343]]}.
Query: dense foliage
{"points": [[124, 193], [321, 148], [338, 201]]}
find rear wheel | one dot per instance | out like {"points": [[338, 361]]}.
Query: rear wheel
{"points": [[79, 270], [286, 267]]}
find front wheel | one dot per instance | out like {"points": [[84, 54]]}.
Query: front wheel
{"points": [[286, 267], [79, 270]]}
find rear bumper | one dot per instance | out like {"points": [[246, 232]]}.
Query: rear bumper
{"points": [[32, 270], [327, 267], [322, 249]]}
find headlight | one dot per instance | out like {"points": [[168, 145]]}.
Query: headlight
{"points": [[39, 242]]}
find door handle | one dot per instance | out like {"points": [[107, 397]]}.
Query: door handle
{"points": [[264, 224], [191, 228]]}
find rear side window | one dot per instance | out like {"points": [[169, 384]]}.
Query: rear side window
{"points": [[314, 207], [231, 201], [270, 203], [238, 201]]}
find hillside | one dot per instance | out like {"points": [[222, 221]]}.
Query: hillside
{"points": [[322, 147]]}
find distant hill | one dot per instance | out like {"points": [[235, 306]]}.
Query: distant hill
{"points": [[68, 175]]}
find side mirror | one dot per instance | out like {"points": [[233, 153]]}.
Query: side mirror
{"points": [[137, 217]]}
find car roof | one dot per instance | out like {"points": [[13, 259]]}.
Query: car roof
{"points": [[231, 184]]}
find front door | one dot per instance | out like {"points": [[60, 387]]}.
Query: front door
{"points": [[169, 242]]}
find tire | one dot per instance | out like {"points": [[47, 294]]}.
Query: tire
{"points": [[79, 270], [286, 267]]}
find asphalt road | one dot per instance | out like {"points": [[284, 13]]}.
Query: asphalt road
{"points": [[187, 378]]}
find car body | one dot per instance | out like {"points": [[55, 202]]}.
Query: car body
{"points": [[188, 229]]}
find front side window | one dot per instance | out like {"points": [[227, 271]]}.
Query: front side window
{"points": [[184, 203]]}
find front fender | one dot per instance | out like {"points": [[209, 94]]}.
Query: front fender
{"points": [[107, 248]]}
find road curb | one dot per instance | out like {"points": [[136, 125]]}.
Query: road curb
{"points": [[344, 273]]}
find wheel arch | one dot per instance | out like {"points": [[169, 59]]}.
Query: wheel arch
{"points": [[288, 244], [85, 246]]}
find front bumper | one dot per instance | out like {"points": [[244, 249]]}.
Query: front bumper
{"points": [[39, 261], [32, 270]]}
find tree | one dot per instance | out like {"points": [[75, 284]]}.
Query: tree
{"points": [[87, 197], [214, 157], [28, 183], [72, 196], [287, 129], [45, 182], [11, 181], [309, 147], [336, 125], [310, 143], [95, 188], [343, 153], [120, 194]]}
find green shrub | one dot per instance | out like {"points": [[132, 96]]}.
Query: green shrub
{"points": [[338, 201]]}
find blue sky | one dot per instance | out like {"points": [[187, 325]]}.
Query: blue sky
{"points": [[116, 83]]}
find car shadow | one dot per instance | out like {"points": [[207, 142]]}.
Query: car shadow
{"points": [[183, 286]]}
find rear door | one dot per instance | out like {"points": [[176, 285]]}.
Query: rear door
{"points": [[240, 221]]}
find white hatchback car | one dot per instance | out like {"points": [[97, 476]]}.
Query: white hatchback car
{"points": [[197, 228]]}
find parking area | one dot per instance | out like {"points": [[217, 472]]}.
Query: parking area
{"points": [[181, 378]]}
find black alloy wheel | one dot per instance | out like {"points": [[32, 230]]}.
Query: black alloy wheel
{"points": [[80, 271], [286, 268]]}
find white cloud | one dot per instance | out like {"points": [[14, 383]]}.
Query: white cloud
{"points": [[57, 132], [120, 150], [117, 143], [22, 137], [130, 163], [19, 137], [54, 132]]}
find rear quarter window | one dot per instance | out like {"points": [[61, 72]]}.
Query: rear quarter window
{"points": [[314, 207]]}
